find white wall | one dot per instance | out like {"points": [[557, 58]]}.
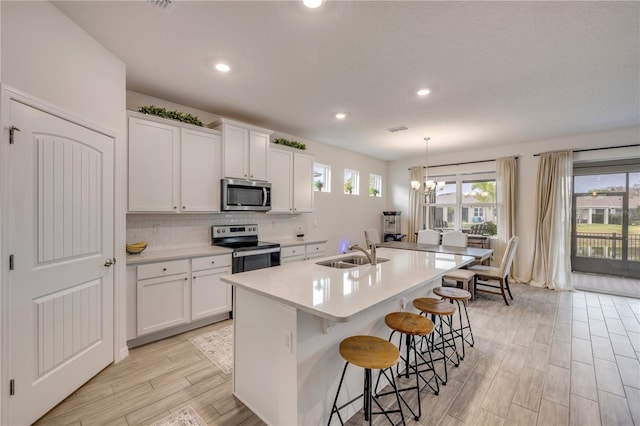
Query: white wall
{"points": [[47, 56], [339, 218], [527, 170]]}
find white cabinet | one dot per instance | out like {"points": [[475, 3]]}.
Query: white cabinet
{"points": [[209, 295], [291, 254], [245, 150], [162, 295], [291, 181], [176, 293], [200, 171], [302, 252], [172, 168], [154, 162]]}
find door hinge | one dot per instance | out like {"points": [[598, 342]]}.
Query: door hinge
{"points": [[12, 129], [11, 265], [12, 387]]}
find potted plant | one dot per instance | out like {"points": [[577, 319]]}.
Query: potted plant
{"points": [[348, 187], [318, 185], [373, 191]]}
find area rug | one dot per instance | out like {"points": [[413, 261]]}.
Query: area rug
{"points": [[187, 416], [217, 345]]}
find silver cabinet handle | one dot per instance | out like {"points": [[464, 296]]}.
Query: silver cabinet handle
{"points": [[110, 262]]}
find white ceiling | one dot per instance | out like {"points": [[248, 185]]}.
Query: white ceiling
{"points": [[499, 72]]}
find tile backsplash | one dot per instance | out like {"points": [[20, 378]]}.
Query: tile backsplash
{"points": [[167, 231]]}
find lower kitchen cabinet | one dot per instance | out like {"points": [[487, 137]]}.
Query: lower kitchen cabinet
{"points": [[209, 295], [302, 252], [162, 296], [173, 294]]}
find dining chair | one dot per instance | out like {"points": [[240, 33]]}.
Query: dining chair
{"points": [[371, 236], [455, 238], [429, 236], [486, 275]]}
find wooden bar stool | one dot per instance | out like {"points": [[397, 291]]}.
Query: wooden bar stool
{"points": [[457, 295], [410, 325], [369, 352], [444, 311]]}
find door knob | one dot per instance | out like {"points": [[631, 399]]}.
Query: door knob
{"points": [[110, 262]]}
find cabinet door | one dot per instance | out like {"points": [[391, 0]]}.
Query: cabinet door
{"points": [[154, 179], [303, 183], [162, 303], [209, 295], [200, 171], [258, 155], [235, 151], [291, 254], [281, 181]]}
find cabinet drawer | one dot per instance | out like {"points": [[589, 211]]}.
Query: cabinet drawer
{"points": [[316, 249], [162, 269], [218, 261], [292, 251]]}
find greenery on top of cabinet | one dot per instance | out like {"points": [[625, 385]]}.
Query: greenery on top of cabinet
{"points": [[287, 142], [173, 115]]}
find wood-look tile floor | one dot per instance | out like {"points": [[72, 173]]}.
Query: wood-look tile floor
{"points": [[551, 358]]}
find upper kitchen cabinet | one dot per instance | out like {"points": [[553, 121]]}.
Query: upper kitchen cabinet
{"points": [[173, 167], [291, 181], [245, 150]]}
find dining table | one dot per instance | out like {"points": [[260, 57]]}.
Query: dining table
{"points": [[480, 254]]}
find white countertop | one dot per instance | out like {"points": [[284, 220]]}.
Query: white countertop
{"points": [[175, 254], [340, 294]]}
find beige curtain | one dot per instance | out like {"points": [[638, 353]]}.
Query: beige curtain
{"points": [[415, 205], [506, 173], [551, 266]]}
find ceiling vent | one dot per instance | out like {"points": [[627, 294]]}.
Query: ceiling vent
{"points": [[161, 4], [398, 129]]}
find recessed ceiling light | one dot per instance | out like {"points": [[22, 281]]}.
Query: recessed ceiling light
{"points": [[341, 116], [423, 92], [312, 4], [223, 67]]}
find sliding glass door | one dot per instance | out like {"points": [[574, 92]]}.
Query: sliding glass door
{"points": [[606, 219]]}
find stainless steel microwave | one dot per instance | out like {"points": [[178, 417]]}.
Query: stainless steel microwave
{"points": [[245, 195]]}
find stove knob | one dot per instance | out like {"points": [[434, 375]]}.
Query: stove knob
{"points": [[218, 231]]}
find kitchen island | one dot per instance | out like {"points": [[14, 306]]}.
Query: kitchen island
{"points": [[289, 321]]}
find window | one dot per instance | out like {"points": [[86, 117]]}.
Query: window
{"points": [[443, 211], [464, 203], [321, 178], [351, 182], [479, 199], [375, 185]]}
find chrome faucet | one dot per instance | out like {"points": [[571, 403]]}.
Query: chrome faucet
{"points": [[371, 256]]}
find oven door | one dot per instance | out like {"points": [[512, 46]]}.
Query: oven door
{"points": [[244, 261]]}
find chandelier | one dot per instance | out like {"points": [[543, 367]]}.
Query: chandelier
{"points": [[429, 186]]}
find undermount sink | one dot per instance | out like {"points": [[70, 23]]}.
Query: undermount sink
{"points": [[349, 262]]}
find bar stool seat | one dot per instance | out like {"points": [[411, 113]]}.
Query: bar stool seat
{"points": [[457, 295], [444, 311], [368, 352], [410, 325]]}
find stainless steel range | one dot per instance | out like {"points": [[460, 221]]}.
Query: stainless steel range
{"points": [[248, 253]]}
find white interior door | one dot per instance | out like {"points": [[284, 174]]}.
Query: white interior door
{"points": [[60, 291]]}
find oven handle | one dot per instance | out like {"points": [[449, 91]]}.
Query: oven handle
{"points": [[255, 252]]}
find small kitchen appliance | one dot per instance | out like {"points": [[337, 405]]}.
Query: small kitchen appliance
{"points": [[248, 252], [245, 195], [391, 226]]}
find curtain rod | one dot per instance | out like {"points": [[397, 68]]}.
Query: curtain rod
{"points": [[598, 149], [465, 162]]}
